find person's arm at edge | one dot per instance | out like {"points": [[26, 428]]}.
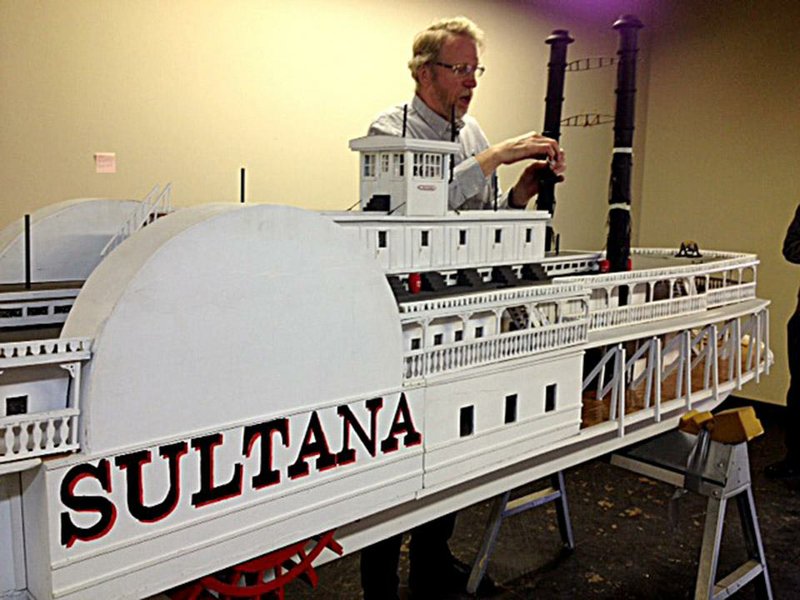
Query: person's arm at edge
{"points": [[791, 243]]}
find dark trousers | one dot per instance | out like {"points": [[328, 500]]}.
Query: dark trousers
{"points": [[428, 555], [792, 439]]}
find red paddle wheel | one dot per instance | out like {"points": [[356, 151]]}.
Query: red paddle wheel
{"points": [[262, 578]]}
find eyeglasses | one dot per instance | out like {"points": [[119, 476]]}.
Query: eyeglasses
{"points": [[463, 70]]}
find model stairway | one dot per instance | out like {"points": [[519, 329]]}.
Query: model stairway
{"points": [[154, 206]]}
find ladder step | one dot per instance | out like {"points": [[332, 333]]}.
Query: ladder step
{"points": [[737, 579], [531, 501]]}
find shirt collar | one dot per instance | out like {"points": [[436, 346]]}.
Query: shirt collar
{"points": [[440, 125]]}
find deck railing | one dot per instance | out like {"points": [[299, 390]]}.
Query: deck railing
{"points": [[38, 434], [29, 435], [732, 293], [57, 350], [638, 313], [511, 296], [473, 353]]}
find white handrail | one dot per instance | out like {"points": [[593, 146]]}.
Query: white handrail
{"points": [[148, 211]]}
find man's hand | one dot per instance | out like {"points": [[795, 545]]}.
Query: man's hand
{"points": [[527, 185], [527, 146]]}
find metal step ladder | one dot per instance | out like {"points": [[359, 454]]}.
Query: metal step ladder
{"points": [[505, 507], [721, 472]]}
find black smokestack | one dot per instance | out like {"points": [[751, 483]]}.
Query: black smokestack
{"points": [[556, 67], [618, 244]]}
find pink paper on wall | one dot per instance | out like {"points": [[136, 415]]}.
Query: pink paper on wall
{"points": [[105, 162]]}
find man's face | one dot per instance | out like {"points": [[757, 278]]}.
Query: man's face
{"points": [[442, 88]]}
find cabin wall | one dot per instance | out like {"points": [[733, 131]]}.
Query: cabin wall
{"points": [[12, 566], [190, 92], [722, 147]]}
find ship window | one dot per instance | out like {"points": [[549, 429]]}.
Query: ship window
{"points": [[10, 313], [381, 239], [511, 408], [479, 332], [417, 164], [62, 309], [528, 235], [384, 163], [16, 405], [416, 343], [498, 236], [399, 164], [369, 165], [37, 311], [462, 237], [438, 338], [466, 421], [458, 335], [550, 398], [424, 241]]}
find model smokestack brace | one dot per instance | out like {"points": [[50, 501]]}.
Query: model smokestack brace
{"points": [[558, 41], [618, 244]]}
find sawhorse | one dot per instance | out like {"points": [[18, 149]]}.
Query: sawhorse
{"points": [[504, 507], [720, 472]]}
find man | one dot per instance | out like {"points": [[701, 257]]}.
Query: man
{"points": [[446, 68], [789, 465]]}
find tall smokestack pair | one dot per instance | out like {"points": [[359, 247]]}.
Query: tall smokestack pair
{"points": [[618, 245]]}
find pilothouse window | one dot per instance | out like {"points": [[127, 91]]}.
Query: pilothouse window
{"points": [[369, 165], [399, 164]]}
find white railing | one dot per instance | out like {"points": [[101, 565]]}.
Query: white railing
{"points": [[152, 207], [637, 313], [27, 436], [44, 351], [731, 293], [462, 355], [512, 296]]}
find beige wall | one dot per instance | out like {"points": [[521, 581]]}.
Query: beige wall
{"points": [[723, 140], [189, 91]]}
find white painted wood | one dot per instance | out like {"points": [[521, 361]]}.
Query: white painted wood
{"points": [[234, 314], [12, 566], [66, 239]]}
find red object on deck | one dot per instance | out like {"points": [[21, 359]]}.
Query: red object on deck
{"points": [[414, 283], [605, 265]]}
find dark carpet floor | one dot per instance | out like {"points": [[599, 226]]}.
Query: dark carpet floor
{"points": [[627, 545]]}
